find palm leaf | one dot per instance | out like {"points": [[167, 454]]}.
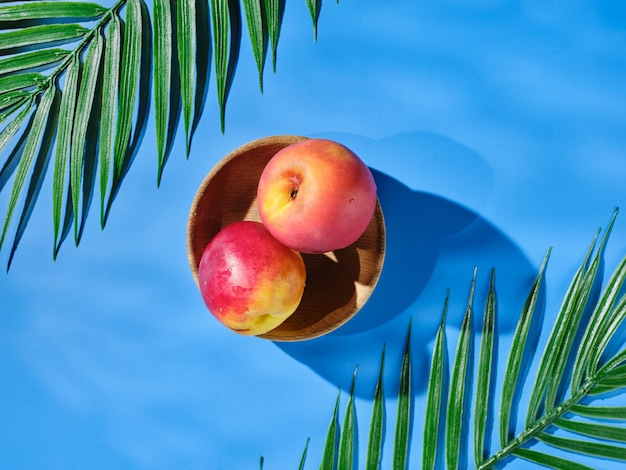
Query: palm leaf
{"points": [[258, 36], [484, 381], [186, 51], [456, 412], [45, 10], [330, 446], [94, 57], [129, 84], [600, 412], [41, 35], [599, 367], [437, 388], [108, 117], [595, 449], [314, 10], [64, 133], [274, 13], [162, 76], [345, 460], [18, 82], [403, 417], [219, 10], [375, 439], [514, 364], [32, 60], [11, 129], [39, 166], [28, 155], [303, 458], [84, 104], [548, 460]]}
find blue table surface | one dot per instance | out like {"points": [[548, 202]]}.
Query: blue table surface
{"points": [[495, 129]]}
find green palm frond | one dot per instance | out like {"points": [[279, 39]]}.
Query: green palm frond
{"points": [[76, 80], [583, 361]]}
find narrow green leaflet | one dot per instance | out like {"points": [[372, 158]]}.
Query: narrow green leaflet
{"points": [[10, 130], [437, 388], [610, 328], [186, 56], [273, 17], [514, 363], [572, 321], [548, 460], [45, 10], [345, 458], [614, 377], [11, 102], [614, 366], [403, 417], [64, 138], [28, 154], [254, 18], [20, 81], [11, 99], [600, 431], [375, 438], [37, 174], [594, 331], [129, 83], [162, 75], [303, 458], [584, 447], [458, 385], [600, 412], [330, 446], [40, 35], [315, 7], [31, 60], [219, 15], [87, 91], [547, 366], [108, 116], [485, 373]]}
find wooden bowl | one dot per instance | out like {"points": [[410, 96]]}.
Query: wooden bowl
{"points": [[338, 283]]}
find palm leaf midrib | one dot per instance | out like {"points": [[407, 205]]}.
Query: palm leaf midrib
{"points": [[539, 426]]}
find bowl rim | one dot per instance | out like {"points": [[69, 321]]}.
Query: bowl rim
{"points": [[233, 154], [194, 254]]}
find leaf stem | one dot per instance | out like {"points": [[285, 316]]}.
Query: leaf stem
{"points": [[106, 17], [538, 426]]}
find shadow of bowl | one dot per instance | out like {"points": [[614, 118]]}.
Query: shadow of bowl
{"points": [[433, 246]]}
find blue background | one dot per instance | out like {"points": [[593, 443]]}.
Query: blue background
{"points": [[496, 129]]}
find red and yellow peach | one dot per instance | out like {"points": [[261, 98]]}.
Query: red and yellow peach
{"points": [[316, 196], [250, 281]]}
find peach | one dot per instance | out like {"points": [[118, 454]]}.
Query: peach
{"points": [[316, 196], [250, 281]]}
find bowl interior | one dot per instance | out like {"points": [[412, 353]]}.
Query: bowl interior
{"points": [[338, 283]]}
